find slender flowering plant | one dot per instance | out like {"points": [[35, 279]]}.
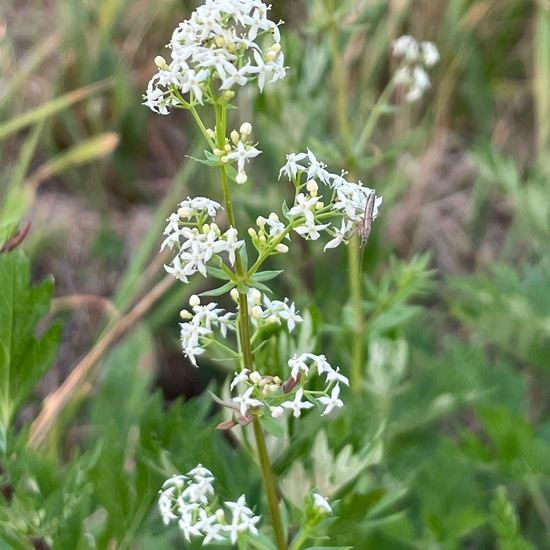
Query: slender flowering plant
{"points": [[223, 46]]}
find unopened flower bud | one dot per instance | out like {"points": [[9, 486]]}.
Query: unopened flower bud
{"points": [[184, 314], [205, 228], [277, 412], [312, 187], [256, 295], [219, 152], [234, 293], [319, 205], [211, 133], [282, 248], [220, 515], [194, 300], [272, 319], [160, 62], [252, 232], [235, 137], [245, 129], [262, 239], [273, 217], [241, 178], [260, 221], [257, 312], [255, 377], [185, 212], [277, 380]]}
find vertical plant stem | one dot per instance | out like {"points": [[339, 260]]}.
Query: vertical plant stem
{"points": [[246, 348], [354, 265], [269, 484], [541, 67]]}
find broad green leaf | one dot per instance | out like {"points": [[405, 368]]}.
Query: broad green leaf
{"points": [[24, 358]]}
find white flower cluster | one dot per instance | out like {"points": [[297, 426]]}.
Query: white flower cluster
{"points": [[196, 240], [348, 200], [415, 57], [217, 44], [274, 394], [191, 500], [198, 332]]}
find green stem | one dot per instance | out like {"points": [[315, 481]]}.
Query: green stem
{"points": [[339, 80], [354, 267], [374, 116], [246, 345], [269, 484], [355, 272]]}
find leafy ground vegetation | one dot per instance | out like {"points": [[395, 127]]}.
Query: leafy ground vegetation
{"points": [[441, 439]]}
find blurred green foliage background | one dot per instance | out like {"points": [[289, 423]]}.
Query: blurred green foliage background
{"points": [[448, 444]]}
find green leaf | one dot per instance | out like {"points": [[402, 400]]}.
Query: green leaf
{"points": [[220, 290], [218, 273], [23, 357], [242, 288], [260, 286], [211, 160], [266, 275], [272, 426], [244, 257]]}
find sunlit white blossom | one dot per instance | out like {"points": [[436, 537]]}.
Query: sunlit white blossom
{"points": [[228, 43], [332, 401], [189, 500], [297, 405]]}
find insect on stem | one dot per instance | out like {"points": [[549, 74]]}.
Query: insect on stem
{"points": [[366, 223]]}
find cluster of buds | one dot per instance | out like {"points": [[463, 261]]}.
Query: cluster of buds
{"points": [[240, 150]]}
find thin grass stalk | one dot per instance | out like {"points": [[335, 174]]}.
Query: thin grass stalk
{"points": [[541, 90], [354, 257]]}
